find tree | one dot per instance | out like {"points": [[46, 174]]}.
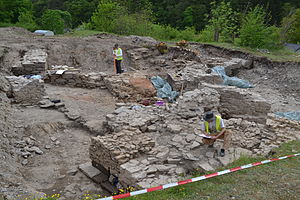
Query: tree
{"points": [[106, 15], [223, 20], [137, 6], [188, 16], [10, 10], [26, 20], [254, 31], [81, 10], [290, 30], [56, 20]]}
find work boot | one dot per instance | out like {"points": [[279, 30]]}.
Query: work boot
{"points": [[222, 152]]}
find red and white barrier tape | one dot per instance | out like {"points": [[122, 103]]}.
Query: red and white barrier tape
{"points": [[121, 196]]}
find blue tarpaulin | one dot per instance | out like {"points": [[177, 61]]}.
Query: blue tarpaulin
{"points": [[164, 89], [294, 115], [231, 81]]}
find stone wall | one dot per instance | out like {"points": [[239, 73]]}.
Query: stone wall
{"points": [[114, 149], [262, 138], [74, 78], [149, 146], [146, 146], [33, 62], [26, 91]]}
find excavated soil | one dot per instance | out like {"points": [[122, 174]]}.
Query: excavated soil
{"points": [[64, 142]]}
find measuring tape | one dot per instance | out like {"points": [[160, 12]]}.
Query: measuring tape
{"points": [[227, 171]]}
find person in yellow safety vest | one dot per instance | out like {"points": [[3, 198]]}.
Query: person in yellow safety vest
{"points": [[214, 127], [118, 56]]}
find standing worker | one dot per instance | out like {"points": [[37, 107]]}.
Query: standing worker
{"points": [[213, 129], [118, 57]]}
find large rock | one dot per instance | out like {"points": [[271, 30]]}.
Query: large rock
{"points": [[130, 86], [235, 64], [241, 103], [197, 101], [190, 77]]}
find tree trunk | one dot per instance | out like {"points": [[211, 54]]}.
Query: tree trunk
{"points": [[216, 36]]}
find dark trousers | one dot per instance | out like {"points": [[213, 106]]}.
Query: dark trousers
{"points": [[118, 66]]}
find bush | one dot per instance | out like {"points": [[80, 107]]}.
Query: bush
{"points": [[272, 41], [107, 15], [290, 30], [188, 34], [52, 20], [223, 21], [255, 33], [26, 20], [207, 35]]}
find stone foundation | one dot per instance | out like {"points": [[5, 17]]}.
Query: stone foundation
{"points": [[74, 78], [147, 146], [34, 62]]}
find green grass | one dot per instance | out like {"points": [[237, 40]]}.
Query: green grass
{"points": [[275, 181], [278, 180], [282, 55]]}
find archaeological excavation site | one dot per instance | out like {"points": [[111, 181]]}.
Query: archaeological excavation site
{"points": [[70, 125]]}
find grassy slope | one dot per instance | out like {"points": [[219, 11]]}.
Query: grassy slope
{"points": [[282, 55], [278, 180]]}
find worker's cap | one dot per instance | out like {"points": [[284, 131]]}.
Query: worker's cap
{"points": [[209, 116]]}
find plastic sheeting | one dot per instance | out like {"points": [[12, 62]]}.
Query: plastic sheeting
{"points": [[294, 115], [44, 32], [164, 89], [231, 81]]}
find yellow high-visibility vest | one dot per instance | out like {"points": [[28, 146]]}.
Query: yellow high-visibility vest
{"points": [[218, 125], [119, 54]]}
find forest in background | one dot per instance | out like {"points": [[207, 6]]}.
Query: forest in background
{"points": [[250, 23]]}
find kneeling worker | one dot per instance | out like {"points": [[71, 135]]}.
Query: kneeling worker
{"points": [[214, 128]]}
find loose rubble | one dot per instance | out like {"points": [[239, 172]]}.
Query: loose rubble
{"points": [[26, 91]]}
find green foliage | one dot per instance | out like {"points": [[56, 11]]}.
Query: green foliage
{"points": [[223, 21], [291, 27], [272, 41], [207, 35], [81, 10], [255, 33], [26, 20], [141, 6], [54, 20], [188, 16], [163, 32], [106, 15], [188, 34], [10, 10]]}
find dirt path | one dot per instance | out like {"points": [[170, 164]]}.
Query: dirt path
{"points": [[63, 142], [91, 104]]}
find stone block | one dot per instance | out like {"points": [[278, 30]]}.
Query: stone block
{"points": [[89, 170], [242, 103]]}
